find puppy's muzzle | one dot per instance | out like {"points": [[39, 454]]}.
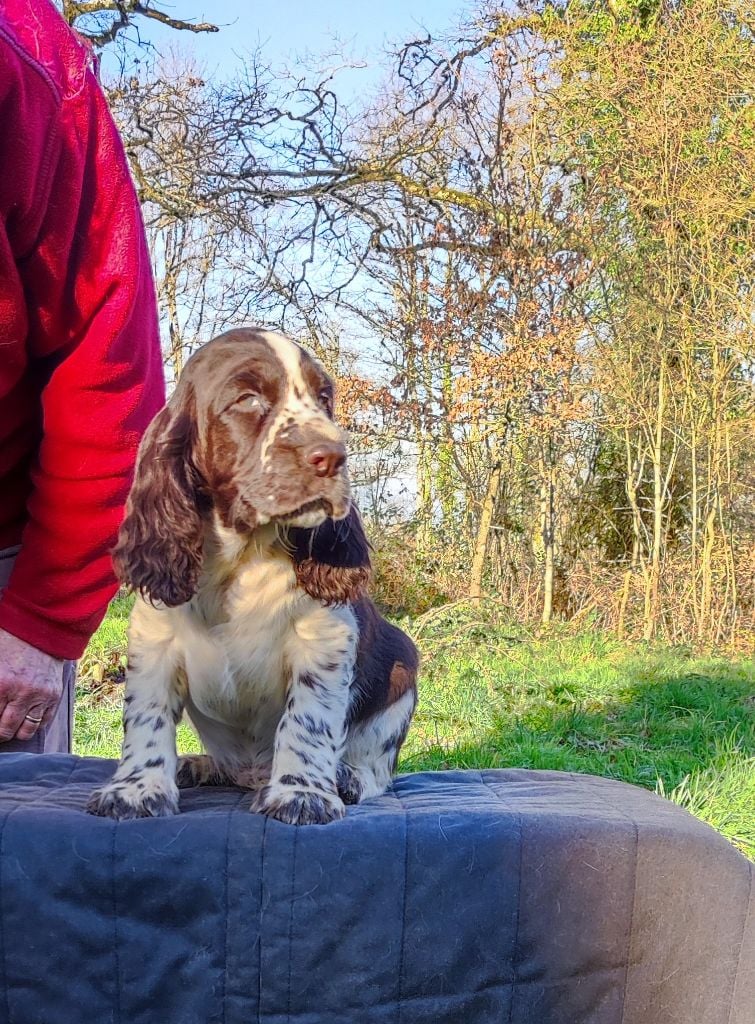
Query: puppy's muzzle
{"points": [[327, 458]]}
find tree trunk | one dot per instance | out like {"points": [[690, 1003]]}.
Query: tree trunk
{"points": [[483, 532], [651, 615], [634, 471], [695, 525], [547, 526], [424, 494]]}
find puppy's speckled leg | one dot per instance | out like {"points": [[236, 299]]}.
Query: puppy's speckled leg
{"points": [[144, 783], [312, 730]]}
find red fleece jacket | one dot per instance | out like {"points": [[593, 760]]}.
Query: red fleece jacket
{"points": [[80, 366]]}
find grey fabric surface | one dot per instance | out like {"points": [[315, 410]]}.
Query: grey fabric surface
{"points": [[457, 898]]}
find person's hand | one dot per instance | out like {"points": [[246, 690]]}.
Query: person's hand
{"points": [[31, 685]]}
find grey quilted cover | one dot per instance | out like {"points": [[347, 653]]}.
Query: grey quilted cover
{"points": [[464, 897]]}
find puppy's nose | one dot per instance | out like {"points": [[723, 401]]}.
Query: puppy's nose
{"points": [[327, 457]]}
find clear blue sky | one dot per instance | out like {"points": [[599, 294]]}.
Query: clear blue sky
{"points": [[289, 28]]}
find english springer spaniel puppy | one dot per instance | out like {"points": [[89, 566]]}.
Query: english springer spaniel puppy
{"points": [[251, 567]]}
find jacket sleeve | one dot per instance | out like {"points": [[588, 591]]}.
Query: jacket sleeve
{"points": [[93, 335]]}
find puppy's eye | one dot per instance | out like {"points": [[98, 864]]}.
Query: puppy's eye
{"points": [[248, 402], [326, 399]]}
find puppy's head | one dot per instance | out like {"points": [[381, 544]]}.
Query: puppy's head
{"points": [[267, 446], [247, 435]]}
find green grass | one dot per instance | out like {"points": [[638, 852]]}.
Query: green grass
{"points": [[492, 696]]}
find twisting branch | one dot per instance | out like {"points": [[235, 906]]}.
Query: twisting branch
{"points": [[101, 21]]}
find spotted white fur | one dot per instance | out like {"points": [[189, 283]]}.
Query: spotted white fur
{"points": [[371, 747], [298, 406]]}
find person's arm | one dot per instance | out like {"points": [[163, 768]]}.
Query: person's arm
{"points": [[93, 330]]}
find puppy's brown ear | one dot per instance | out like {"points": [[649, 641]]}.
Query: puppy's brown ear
{"points": [[159, 549], [332, 561]]}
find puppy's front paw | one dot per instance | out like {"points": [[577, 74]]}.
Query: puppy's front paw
{"points": [[139, 797], [298, 806]]}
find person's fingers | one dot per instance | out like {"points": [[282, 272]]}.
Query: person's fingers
{"points": [[12, 718], [20, 721], [35, 719]]}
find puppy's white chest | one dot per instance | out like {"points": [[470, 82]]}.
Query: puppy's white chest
{"points": [[236, 667]]}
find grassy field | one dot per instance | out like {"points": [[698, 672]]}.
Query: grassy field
{"points": [[492, 696]]}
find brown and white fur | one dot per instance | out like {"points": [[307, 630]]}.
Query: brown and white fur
{"points": [[251, 566]]}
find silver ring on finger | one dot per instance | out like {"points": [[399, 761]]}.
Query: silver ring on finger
{"points": [[30, 719]]}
